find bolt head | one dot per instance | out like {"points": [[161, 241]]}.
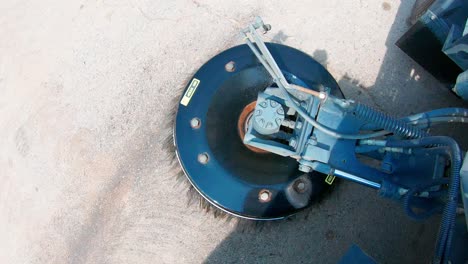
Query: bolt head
{"points": [[203, 158], [298, 125], [264, 196], [266, 28], [300, 186], [195, 123], [312, 141], [293, 142], [230, 66], [304, 168]]}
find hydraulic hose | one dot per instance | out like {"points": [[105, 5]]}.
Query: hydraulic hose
{"points": [[386, 122], [426, 119], [453, 111], [450, 210], [429, 121]]}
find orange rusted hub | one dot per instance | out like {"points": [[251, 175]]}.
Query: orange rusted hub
{"points": [[243, 124]]}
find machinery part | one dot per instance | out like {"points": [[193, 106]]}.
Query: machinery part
{"points": [[195, 123], [449, 214], [264, 56], [268, 110], [203, 158], [356, 255], [461, 86], [332, 138], [230, 66], [386, 122], [357, 179], [424, 41], [451, 112], [427, 119], [264, 196], [269, 161], [244, 122], [456, 45], [464, 186], [410, 195], [234, 173]]}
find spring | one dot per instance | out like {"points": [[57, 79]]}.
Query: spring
{"points": [[388, 123]]}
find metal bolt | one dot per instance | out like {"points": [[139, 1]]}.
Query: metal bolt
{"points": [[258, 112], [293, 142], [263, 104], [299, 186], [266, 28], [203, 158], [303, 104], [195, 123], [273, 103], [298, 125], [264, 196], [304, 168], [230, 66], [280, 111], [312, 141]]}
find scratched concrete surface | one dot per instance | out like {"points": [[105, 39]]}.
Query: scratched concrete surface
{"points": [[85, 88]]}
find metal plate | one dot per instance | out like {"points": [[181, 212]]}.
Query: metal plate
{"points": [[234, 176]]}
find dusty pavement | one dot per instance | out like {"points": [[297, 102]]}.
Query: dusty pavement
{"points": [[85, 88]]}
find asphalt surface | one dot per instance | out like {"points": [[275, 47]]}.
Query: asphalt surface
{"points": [[85, 92]]}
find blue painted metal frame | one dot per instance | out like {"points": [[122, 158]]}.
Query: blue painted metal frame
{"points": [[328, 154]]}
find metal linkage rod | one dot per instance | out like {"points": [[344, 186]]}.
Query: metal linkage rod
{"points": [[261, 51]]}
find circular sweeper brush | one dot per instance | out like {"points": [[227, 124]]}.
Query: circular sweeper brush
{"points": [[214, 113]]}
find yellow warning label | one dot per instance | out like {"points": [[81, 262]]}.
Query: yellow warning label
{"points": [[329, 179], [190, 92]]}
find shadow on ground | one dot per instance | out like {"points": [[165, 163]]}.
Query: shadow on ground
{"points": [[352, 213]]}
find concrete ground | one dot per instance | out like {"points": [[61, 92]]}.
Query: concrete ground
{"points": [[85, 88]]}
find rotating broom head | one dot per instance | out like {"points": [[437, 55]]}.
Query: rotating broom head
{"points": [[223, 175]]}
